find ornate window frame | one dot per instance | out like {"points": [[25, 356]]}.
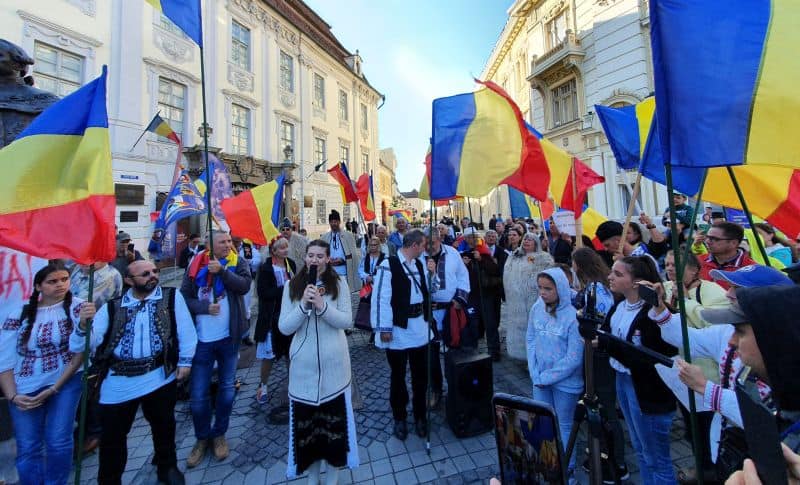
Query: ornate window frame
{"points": [[158, 150]]}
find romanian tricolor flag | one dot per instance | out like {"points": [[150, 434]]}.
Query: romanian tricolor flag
{"points": [[255, 213], [162, 128], [627, 129], [522, 205], [183, 13], [424, 185], [57, 192], [366, 196], [726, 81], [340, 173], [480, 141], [771, 192], [590, 221]]}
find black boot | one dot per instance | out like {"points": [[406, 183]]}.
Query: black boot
{"points": [[422, 428], [171, 476], [400, 429]]}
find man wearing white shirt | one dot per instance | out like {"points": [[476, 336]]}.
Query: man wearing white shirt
{"points": [[400, 302], [144, 341]]}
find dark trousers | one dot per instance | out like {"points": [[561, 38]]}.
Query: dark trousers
{"points": [[398, 394], [158, 408], [606, 390], [436, 368], [704, 430], [490, 312]]}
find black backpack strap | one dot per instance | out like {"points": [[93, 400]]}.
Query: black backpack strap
{"points": [[697, 294]]}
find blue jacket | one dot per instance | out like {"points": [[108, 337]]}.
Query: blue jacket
{"points": [[555, 348]]}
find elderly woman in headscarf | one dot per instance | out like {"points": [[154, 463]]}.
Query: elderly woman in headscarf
{"points": [[522, 291]]}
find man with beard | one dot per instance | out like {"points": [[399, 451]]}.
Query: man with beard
{"points": [[143, 343]]}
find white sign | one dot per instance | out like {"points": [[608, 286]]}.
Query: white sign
{"points": [[670, 377], [16, 279], [565, 220]]}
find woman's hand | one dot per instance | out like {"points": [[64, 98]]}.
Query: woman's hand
{"points": [[88, 311], [308, 294], [691, 375], [659, 289], [44, 395], [26, 403]]}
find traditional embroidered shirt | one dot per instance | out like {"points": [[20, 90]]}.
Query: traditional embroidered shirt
{"points": [[40, 362], [337, 251], [416, 333], [141, 340]]}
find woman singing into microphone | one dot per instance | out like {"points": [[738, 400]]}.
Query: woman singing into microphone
{"points": [[316, 309]]}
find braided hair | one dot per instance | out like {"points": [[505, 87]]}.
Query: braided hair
{"points": [[30, 310]]}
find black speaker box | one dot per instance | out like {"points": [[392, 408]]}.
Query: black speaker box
{"points": [[469, 392]]}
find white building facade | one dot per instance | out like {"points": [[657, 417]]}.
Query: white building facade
{"points": [[276, 77], [557, 59]]}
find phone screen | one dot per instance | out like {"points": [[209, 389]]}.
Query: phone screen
{"points": [[528, 442]]}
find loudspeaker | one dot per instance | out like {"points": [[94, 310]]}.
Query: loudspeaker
{"points": [[469, 392]]}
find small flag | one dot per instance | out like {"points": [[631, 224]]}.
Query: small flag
{"points": [[340, 173], [183, 13], [160, 127], [254, 214], [57, 192]]}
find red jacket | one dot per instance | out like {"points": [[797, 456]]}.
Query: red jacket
{"points": [[708, 263]]}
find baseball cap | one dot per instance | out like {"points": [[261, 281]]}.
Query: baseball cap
{"points": [[470, 231], [755, 275], [123, 236], [732, 315]]}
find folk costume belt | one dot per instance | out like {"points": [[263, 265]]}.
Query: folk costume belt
{"points": [[415, 310], [137, 367]]}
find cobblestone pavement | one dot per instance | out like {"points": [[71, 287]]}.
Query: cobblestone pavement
{"points": [[259, 447]]}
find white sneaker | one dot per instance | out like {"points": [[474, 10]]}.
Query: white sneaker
{"points": [[261, 394]]}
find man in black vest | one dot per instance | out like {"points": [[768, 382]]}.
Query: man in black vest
{"points": [[400, 306], [144, 342]]}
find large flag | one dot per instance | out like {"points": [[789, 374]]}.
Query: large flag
{"points": [[57, 192], [627, 129], [561, 166], [183, 13], [220, 185], [366, 197], [480, 141], [184, 200], [771, 192], [340, 173], [255, 213], [725, 75]]}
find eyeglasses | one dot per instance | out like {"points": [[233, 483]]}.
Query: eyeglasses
{"points": [[714, 239], [147, 274]]}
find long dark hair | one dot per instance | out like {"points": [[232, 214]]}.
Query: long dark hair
{"points": [[329, 277], [29, 311], [590, 267], [642, 268]]}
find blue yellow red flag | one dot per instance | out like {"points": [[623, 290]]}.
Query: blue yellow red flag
{"points": [[340, 173], [57, 192], [366, 197], [183, 13], [725, 76], [255, 213]]}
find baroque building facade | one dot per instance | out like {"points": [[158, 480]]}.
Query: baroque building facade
{"points": [[559, 58], [282, 92]]}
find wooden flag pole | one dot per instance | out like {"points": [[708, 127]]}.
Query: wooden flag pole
{"points": [[679, 267], [84, 383], [749, 216], [575, 201], [629, 215]]}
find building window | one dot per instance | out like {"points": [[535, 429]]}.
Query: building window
{"points": [[625, 197], [565, 103], [364, 119], [56, 70], [364, 163], [172, 105], [320, 153], [556, 30], [287, 72], [319, 91], [346, 213], [287, 136], [343, 111], [240, 130], [240, 45], [322, 217], [344, 154]]}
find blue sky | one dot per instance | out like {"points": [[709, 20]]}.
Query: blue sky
{"points": [[415, 51]]}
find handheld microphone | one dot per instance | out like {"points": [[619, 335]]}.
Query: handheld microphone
{"points": [[312, 280]]}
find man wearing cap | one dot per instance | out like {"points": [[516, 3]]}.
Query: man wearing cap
{"points": [[718, 342], [297, 243], [724, 254], [125, 255], [609, 233], [396, 238], [345, 256]]}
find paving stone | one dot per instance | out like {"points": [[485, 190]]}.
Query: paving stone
{"points": [[362, 473], [256, 476], [276, 473], [484, 458], [377, 451], [445, 467], [235, 478], [395, 447], [405, 477], [472, 444], [455, 449], [463, 463], [385, 480], [400, 463], [136, 464], [217, 473], [419, 458], [426, 473], [381, 467]]}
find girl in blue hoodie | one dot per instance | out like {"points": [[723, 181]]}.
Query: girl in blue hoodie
{"points": [[555, 350]]}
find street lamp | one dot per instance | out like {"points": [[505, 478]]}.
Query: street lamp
{"points": [[288, 151]]}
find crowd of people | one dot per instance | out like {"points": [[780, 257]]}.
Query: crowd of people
{"points": [[146, 340]]}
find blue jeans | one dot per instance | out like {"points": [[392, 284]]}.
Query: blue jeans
{"points": [[564, 405], [225, 353], [50, 425], [649, 435]]}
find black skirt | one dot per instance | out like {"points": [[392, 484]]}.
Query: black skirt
{"points": [[320, 433]]}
